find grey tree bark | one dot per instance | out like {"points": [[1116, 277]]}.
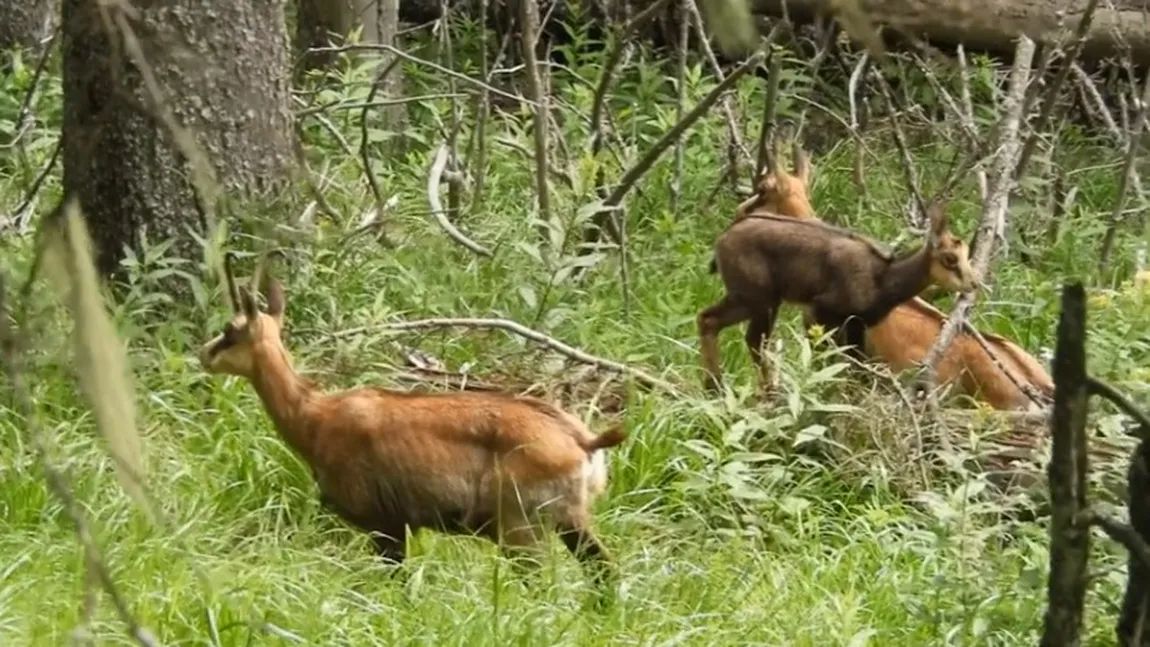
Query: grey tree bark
{"points": [[23, 22], [323, 22], [222, 73]]}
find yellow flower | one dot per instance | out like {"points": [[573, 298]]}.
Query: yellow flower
{"points": [[1099, 300], [815, 331]]}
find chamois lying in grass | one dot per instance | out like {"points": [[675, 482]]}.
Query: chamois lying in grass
{"points": [[902, 339], [767, 259], [493, 464]]}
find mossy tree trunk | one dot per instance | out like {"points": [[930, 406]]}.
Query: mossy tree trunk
{"points": [[223, 72], [23, 22]]}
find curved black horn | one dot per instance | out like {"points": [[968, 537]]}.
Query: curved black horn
{"points": [[230, 279]]}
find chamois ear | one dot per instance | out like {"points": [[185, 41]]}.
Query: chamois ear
{"points": [[230, 279], [802, 163], [274, 292], [250, 307]]}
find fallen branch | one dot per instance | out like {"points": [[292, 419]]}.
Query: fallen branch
{"points": [[434, 178], [513, 327], [1025, 387], [1133, 141]]}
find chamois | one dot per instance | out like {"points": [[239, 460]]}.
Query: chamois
{"points": [[902, 339], [497, 465], [765, 260]]}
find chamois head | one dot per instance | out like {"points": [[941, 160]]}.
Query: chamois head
{"points": [[950, 262], [231, 351], [780, 192]]}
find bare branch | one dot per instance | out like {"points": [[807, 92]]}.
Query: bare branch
{"points": [[1124, 179], [1118, 531], [993, 215], [513, 327], [431, 64], [766, 130], [376, 84], [434, 178], [680, 99], [1102, 389]]}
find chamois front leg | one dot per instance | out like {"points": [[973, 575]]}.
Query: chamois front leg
{"points": [[759, 330], [712, 321]]}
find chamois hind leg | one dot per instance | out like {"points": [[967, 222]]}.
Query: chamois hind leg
{"points": [[519, 535], [758, 333], [726, 312], [574, 529]]}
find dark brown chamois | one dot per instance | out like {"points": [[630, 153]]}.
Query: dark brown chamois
{"points": [[765, 260]]}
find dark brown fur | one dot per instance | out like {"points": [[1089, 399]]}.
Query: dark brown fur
{"points": [[494, 464], [767, 260]]}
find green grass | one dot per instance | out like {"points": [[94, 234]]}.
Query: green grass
{"points": [[724, 531]]}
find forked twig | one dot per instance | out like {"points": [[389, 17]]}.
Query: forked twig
{"points": [[516, 328], [434, 179]]}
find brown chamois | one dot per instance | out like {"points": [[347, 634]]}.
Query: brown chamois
{"points": [[766, 260], [493, 464], [902, 339]]}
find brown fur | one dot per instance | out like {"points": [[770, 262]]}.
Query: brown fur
{"points": [[498, 465], [902, 339]]}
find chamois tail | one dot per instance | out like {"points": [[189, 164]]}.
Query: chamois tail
{"points": [[609, 438]]}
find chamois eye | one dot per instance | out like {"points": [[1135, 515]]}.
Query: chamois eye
{"points": [[949, 262]]}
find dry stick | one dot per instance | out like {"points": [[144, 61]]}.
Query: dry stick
{"points": [[1023, 386], [382, 103], [1132, 143], [1087, 86], [1069, 541], [19, 218], [516, 328], [635, 172], [994, 208], [968, 117], [529, 26], [764, 158], [433, 180], [483, 110], [852, 95], [733, 130], [420, 61], [452, 175], [1050, 100], [1103, 389], [680, 99], [372, 183], [1118, 531], [599, 98], [910, 173], [58, 482]]}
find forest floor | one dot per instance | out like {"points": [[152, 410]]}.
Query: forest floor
{"points": [[725, 531]]}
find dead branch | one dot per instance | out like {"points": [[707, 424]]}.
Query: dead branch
{"points": [[380, 47], [25, 110], [734, 132], [636, 172], [516, 328], [1050, 99], [1133, 621], [1104, 390], [483, 112], [857, 74], [23, 214], [372, 182], [680, 99], [1069, 541], [1118, 531], [910, 173], [1023, 386], [434, 178], [529, 26], [968, 117], [765, 160], [1133, 140], [10, 351], [992, 219]]}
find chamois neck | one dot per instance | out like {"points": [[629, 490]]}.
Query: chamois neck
{"points": [[903, 280], [284, 393]]}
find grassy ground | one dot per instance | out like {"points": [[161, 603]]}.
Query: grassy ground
{"points": [[725, 533]]}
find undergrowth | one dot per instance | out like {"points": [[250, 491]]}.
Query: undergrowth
{"points": [[728, 530]]}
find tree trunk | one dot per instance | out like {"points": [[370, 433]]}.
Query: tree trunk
{"points": [[993, 25], [23, 22], [1134, 621], [222, 71]]}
